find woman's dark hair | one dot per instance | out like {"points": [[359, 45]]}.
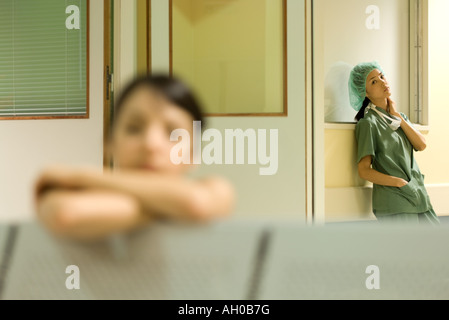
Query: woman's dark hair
{"points": [[361, 113], [171, 88]]}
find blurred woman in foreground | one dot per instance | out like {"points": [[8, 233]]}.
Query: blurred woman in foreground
{"points": [[85, 203]]}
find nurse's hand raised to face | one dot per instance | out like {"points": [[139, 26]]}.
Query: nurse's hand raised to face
{"points": [[391, 108]]}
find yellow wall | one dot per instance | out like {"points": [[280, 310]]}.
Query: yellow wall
{"points": [[340, 159], [231, 53]]}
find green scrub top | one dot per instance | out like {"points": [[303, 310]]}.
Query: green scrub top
{"points": [[392, 155]]}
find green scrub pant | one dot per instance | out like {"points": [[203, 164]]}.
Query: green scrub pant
{"points": [[425, 218]]}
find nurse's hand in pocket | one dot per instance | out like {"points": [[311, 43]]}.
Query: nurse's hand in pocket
{"points": [[401, 183]]}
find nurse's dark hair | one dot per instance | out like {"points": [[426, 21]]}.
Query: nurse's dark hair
{"points": [[171, 88], [361, 113]]}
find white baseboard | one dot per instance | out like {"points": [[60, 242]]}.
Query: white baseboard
{"points": [[354, 203]]}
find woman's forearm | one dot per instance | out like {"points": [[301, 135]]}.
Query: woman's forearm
{"points": [[171, 196], [379, 178], [417, 140], [88, 214], [158, 194]]}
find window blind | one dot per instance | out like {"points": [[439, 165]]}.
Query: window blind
{"points": [[43, 69]]}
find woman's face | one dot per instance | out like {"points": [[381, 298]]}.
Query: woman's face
{"points": [[377, 86], [141, 137]]}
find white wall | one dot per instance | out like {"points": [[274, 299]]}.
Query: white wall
{"points": [[28, 145]]}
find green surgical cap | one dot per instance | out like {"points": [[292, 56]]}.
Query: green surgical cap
{"points": [[357, 83]]}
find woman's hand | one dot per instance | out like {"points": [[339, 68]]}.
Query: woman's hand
{"points": [[391, 108], [376, 177], [401, 183], [417, 140]]}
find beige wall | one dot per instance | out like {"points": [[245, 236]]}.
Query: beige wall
{"points": [[28, 145]]}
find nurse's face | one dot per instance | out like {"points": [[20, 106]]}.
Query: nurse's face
{"points": [[377, 86], [141, 137]]}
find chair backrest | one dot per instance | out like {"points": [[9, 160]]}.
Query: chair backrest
{"points": [[234, 260], [347, 262], [160, 262]]}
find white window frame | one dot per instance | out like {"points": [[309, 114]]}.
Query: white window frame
{"points": [[419, 62]]}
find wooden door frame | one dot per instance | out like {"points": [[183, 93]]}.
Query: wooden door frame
{"points": [[107, 78]]}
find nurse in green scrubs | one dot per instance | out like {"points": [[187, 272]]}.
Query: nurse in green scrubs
{"points": [[386, 143]]}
